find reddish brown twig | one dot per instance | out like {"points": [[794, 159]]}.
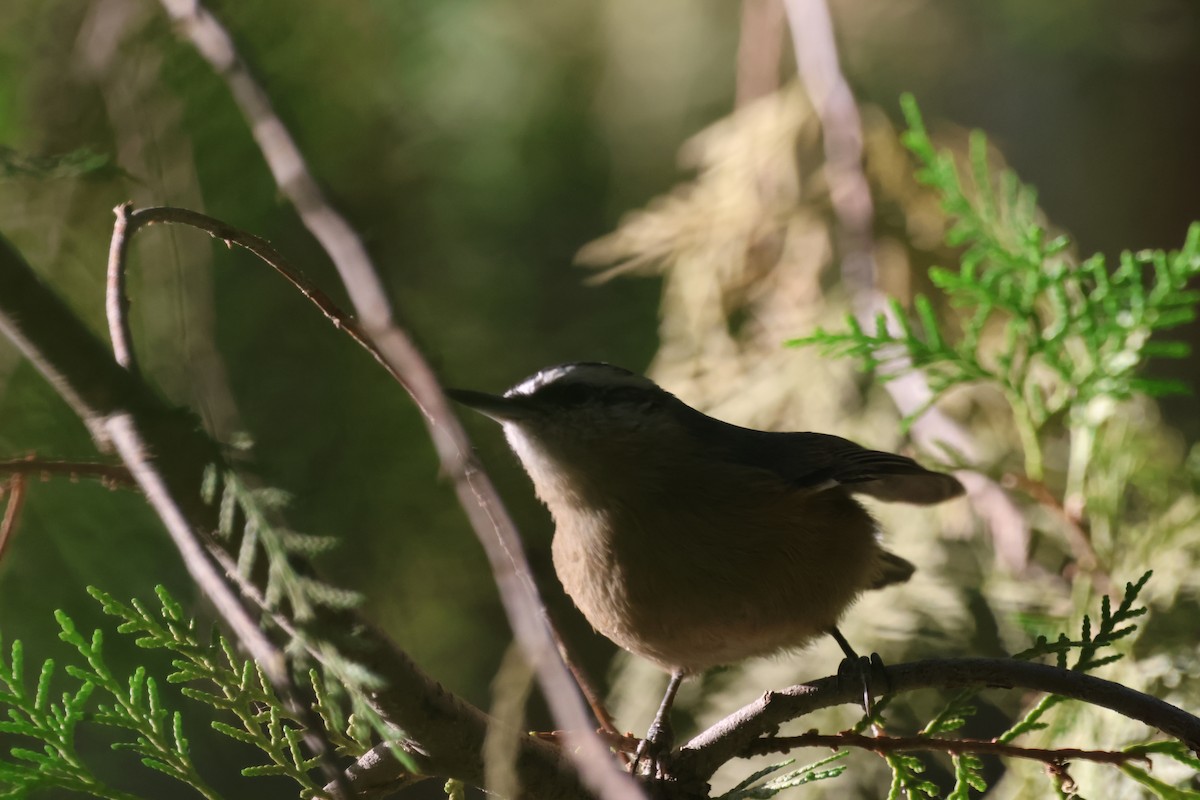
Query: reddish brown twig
{"points": [[129, 221], [608, 726], [899, 744], [110, 475], [1075, 526], [20, 470], [15, 489], [623, 743]]}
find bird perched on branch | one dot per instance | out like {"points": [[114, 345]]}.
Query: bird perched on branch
{"points": [[693, 542]]}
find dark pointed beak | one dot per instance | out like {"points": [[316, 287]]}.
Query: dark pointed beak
{"points": [[501, 409]]}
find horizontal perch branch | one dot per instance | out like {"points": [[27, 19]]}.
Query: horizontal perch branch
{"points": [[901, 744], [737, 733]]}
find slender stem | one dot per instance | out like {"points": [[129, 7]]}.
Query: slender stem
{"points": [[1077, 532], [116, 302], [899, 744], [260, 247], [114, 474], [1027, 431], [12, 509], [819, 69], [478, 496], [123, 432], [1083, 441]]}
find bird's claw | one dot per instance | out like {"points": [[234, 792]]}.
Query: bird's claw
{"points": [[652, 750], [870, 673]]}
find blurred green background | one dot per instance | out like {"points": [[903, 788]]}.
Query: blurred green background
{"points": [[475, 146]]}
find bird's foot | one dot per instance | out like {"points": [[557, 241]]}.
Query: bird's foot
{"points": [[653, 750], [870, 673]]}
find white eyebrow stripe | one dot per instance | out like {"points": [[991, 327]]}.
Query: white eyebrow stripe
{"points": [[588, 374], [540, 379]]}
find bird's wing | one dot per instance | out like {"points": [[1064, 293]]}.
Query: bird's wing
{"points": [[817, 461]]}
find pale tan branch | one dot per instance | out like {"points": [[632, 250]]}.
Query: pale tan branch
{"points": [[116, 297], [132, 448], [760, 50], [171, 453], [854, 211], [491, 522]]}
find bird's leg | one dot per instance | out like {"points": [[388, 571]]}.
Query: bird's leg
{"points": [[864, 668], [658, 738]]}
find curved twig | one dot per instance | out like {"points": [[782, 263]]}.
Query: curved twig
{"points": [[133, 220], [479, 498], [737, 733], [125, 437], [116, 299], [175, 452]]}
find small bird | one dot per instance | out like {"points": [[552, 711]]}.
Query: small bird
{"points": [[692, 542]]}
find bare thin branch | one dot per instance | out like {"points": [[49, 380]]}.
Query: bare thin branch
{"points": [[286, 162], [116, 299], [260, 247], [15, 489], [108, 474], [608, 726], [1077, 532], [81, 369], [819, 69], [492, 525], [900, 744], [123, 433], [735, 734], [137, 219], [760, 50]]}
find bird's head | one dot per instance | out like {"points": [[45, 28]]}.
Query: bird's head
{"points": [[572, 420]]}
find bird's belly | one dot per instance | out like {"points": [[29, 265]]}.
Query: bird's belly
{"points": [[730, 590]]}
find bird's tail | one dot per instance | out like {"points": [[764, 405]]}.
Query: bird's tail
{"points": [[891, 568]]}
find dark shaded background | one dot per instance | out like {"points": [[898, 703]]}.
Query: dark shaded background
{"points": [[476, 146]]}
